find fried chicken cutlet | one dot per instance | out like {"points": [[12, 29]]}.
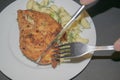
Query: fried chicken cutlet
{"points": [[37, 31]]}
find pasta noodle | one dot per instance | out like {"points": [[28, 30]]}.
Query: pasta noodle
{"points": [[30, 4], [85, 23], [44, 3], [55, 8], [35, 6], [62, 16]]}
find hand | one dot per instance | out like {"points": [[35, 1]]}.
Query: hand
{"points": [[117, 45], [86, 2]]}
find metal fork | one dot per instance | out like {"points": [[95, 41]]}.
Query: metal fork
{"points": [[68, 51]]}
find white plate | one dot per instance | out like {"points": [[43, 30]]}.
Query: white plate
{"points": [[16, 66]]}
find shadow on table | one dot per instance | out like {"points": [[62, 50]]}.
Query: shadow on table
{"points": [[115, 57]]}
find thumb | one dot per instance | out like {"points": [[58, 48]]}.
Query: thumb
{"points": [[117, 45], [86, 2]]}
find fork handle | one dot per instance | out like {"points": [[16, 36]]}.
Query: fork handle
{"points": [[98, 48]]}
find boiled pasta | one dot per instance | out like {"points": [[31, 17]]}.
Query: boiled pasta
{"points": [[62, 16]]}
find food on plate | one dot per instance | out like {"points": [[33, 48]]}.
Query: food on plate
{"points": [[47, 6], [40, 23], [37, 30], [61, 15]]}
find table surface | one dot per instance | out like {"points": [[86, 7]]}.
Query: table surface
{"points": [[107, 23]]}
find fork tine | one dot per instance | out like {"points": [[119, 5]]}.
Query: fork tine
{"points": [[62, 60], [63, 45], [63, 52], [64, 55], [65, 60], [61, 55], [63, 49]]}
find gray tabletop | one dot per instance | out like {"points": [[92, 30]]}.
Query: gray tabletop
{"points": [[105, 65]]}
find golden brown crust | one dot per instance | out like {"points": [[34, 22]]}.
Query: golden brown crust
{"points": [[37, 30]]}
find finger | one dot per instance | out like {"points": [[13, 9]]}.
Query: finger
{"points": [[117, 45], [86, 2]]}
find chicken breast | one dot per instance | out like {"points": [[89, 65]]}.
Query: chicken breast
{"points": [[37, 30]]}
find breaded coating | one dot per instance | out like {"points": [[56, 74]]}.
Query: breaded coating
{"points": [[37, 31]]}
